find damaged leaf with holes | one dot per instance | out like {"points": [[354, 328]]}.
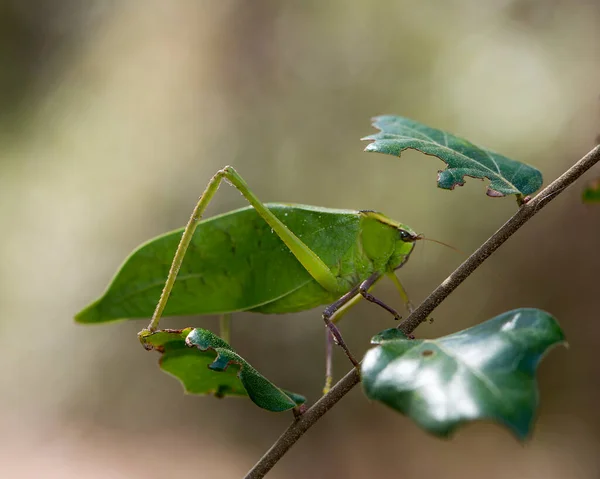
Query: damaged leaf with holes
{"points": [[507, 177], [207, 365], [486, 372]]}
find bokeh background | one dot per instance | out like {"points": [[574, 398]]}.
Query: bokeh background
{"points": [[114, 115]]}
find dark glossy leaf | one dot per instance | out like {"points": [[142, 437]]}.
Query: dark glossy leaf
{"points": [[205, 364], [484, 372], [507, 177], [388, 335], [591, 193]]}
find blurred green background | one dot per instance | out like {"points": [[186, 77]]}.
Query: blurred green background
{"points": [[114, 115]]}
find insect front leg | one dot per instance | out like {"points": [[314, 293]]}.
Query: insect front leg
{"points": [[364, 288], [402, 291]]}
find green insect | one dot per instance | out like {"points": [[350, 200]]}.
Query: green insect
{"points": [[265, 258]]}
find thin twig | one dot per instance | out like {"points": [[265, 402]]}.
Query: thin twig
{"points": [[419, 315], [524, 214]]}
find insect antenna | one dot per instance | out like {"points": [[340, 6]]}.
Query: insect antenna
{"points": [[494, 272], [421, 237]]}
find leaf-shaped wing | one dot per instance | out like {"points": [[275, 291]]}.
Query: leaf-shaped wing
{"points": [[233, 263], [205, 364], [463, 158], [484, 372]]}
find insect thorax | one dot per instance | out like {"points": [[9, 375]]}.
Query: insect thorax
{"points": [[386, 242]]}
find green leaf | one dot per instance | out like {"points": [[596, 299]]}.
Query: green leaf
{"points": [[507, 177], [388, 335], [205, 364], [484, 372], [591, 193]]}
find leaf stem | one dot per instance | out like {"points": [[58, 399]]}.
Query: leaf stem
{"points": [[225, 327], [419, 315]]}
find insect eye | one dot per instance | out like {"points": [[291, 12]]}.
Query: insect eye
{"points": [[405, 235]]}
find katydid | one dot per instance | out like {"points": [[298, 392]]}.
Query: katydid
{"points": [[272, 258]]}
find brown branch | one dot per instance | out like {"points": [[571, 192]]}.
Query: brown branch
{"points": [[525, 212]]}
